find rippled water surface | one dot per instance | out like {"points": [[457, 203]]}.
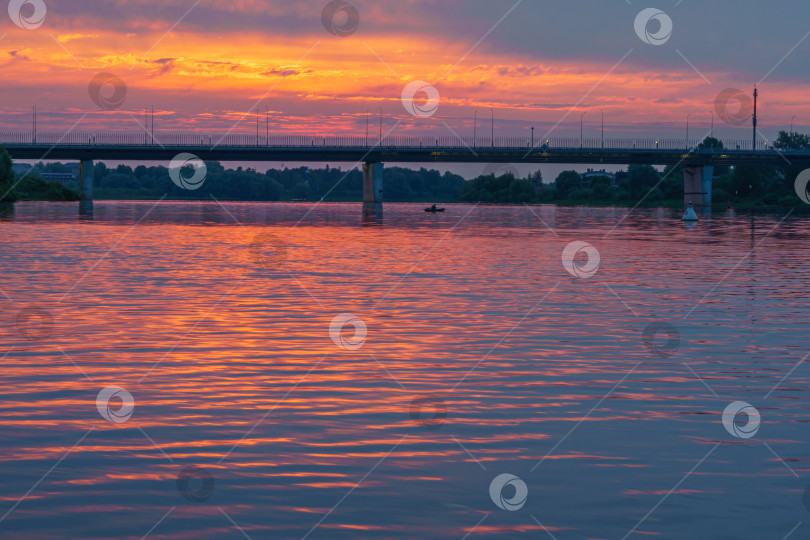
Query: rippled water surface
{"points": [[482, 356]]}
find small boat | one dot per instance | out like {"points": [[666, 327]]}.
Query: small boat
{"points": [[434, 210]]}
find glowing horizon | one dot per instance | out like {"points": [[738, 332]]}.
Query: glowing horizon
{"points": [[204, 74]]}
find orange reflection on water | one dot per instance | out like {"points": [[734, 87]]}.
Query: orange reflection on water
{"points": [[232, 369]]}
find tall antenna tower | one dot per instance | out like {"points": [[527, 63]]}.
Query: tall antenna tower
{"points": [[754, 144]]}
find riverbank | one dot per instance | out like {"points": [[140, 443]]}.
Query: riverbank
{"points": [[37, 189], [674, 204]]}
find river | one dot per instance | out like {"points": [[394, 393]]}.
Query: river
{"points": [[223, 370]]}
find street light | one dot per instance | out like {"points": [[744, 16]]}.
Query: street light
{"points": [[475, 126], [492, 110], [687, 129], [603, 130], [580, 128]]}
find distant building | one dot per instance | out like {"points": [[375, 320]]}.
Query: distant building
{"points": [[20, 168], [72, 173], [587, 177], [73, 168]]}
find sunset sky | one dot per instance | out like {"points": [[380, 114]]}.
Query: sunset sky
{"points": [[204, 66]]}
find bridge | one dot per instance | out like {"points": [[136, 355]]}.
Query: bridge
{"points": [[373, 153]]}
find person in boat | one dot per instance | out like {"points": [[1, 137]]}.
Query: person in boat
{"points": [[433, 208]]}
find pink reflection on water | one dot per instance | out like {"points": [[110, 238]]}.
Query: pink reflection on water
{"points": [[231, 367]]}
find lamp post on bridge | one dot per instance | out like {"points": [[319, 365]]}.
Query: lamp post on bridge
{"points": [[687, 130], [580, 128], [754, 136], [603, 130], [475, 126], [492, 110]]}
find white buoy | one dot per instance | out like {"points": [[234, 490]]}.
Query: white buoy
{"points": [[690, 214]]}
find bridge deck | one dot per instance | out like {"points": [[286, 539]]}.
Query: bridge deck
{"points": [[136, 147]]}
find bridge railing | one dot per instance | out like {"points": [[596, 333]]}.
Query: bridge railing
{"points": [[198, 140]]}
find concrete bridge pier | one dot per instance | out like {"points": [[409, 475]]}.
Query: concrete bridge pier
{"points": [[697, 186], [86, 180], [372, 182]]}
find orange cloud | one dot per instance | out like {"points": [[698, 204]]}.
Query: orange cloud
{"points": [[326, 83]]}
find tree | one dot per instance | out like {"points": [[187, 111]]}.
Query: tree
{"points": [[566, 182], [710, 143], [503, 189], [751, 181], [119, 180], [124, 169], [7, 177], [790, 142], [672, 186], [52, 167], [641, 179], [214, 167], [31, 188], [100, 170], [600, 180], [522, 191]]}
